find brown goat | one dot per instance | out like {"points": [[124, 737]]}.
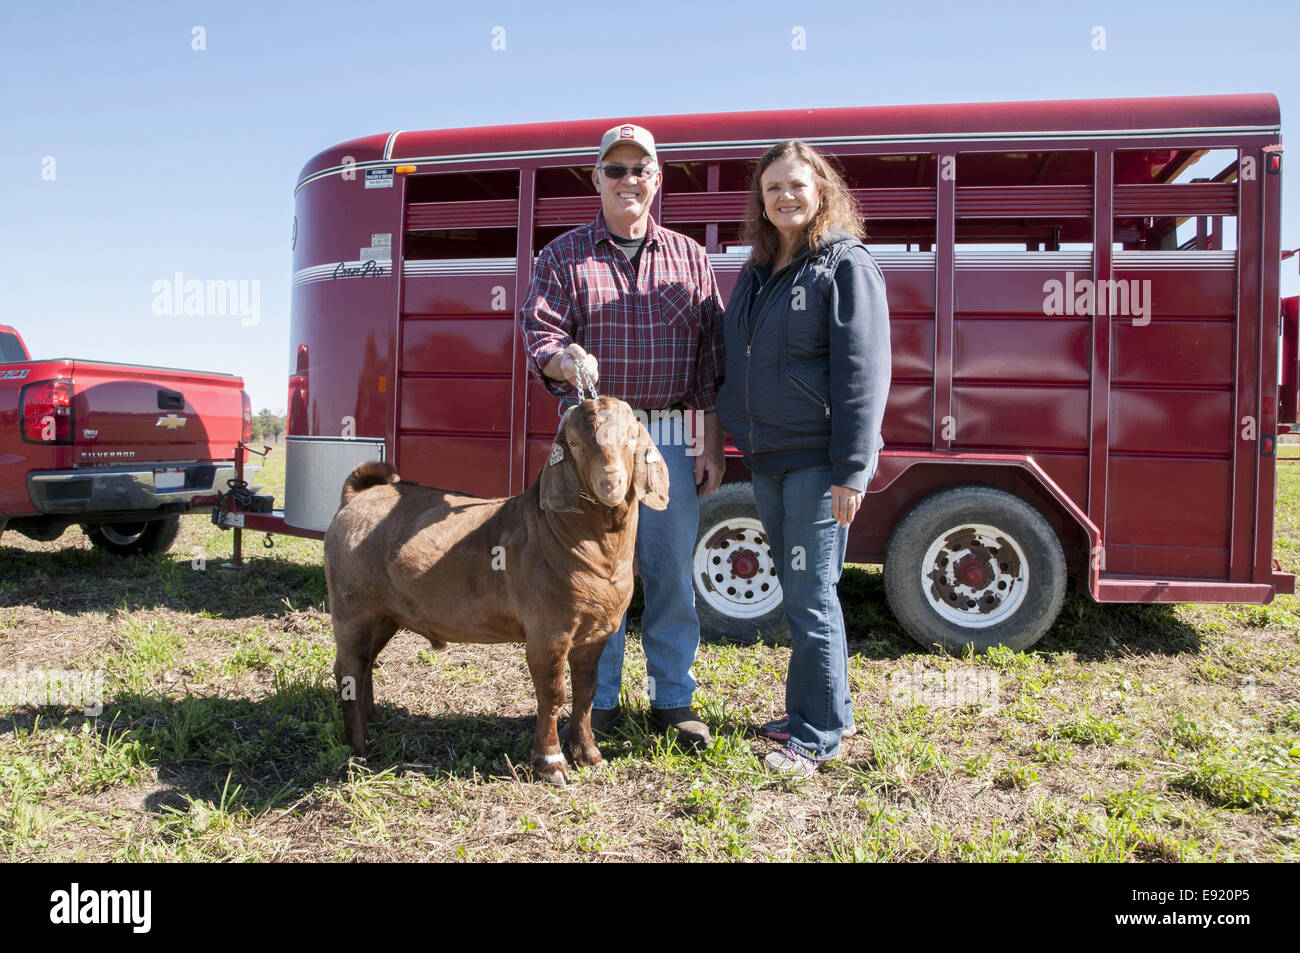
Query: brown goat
{"points": [[551, 567]]}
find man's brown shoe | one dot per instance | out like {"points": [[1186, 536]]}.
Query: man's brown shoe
{"points": [[693, 731], [603, 721]]}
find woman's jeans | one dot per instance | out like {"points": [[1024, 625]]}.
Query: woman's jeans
{"points": [[808, 547]]}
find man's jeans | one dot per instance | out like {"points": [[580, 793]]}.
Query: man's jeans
{"points": [[808, 547], [665, 542]]}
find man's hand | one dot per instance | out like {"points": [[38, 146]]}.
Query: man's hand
{"points": [[711, 462], [844, 503], [564, 366]]}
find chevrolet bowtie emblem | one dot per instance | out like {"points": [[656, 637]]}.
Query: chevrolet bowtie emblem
{"points": [[171, 422]]}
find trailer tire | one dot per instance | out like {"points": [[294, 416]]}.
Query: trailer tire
{"points": [[949, 584], [142, 538], [737, 595]]}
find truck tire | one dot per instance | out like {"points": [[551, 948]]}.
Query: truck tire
{"points": [[974, 566], [143, 538], [737, 594]]}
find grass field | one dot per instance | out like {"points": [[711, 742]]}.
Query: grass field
{"points": [[1129, 733]]}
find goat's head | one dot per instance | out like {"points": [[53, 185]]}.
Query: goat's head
{"points": [[603, 450]]}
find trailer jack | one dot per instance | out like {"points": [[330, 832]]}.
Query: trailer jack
{"points": [[238, 500]]}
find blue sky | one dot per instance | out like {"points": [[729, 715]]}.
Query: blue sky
{"points": [[169, 159]]}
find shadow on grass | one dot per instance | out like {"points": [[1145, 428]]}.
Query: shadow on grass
{"points": [[1098, 632], [88, 580], [287, 743], [290, 743], [1092, 631]]}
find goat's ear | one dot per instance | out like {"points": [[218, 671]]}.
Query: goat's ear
{"points": [[559, 481], [650, 475]]}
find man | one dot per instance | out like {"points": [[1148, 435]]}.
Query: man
{"points": [[636, 306]]}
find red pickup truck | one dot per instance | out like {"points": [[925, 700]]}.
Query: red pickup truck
{"points": [[119, 449]]}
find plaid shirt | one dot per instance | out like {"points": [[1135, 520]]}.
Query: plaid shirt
{"points": [[656, 334]]}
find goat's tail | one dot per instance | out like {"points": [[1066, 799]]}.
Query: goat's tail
{"points": [[371, 473]]}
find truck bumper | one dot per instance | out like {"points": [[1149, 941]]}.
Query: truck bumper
{"points": [[116, 489]]}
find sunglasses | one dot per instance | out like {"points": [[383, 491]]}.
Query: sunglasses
{"points": [[617, 170]]}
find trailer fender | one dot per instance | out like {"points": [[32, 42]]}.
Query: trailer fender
{"points": [[898, 468]]}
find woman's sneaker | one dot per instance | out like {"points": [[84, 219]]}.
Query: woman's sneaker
{"points": [[791, 764], [779, 730]]}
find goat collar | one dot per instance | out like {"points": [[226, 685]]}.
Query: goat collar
{"points": [[584, 495]]}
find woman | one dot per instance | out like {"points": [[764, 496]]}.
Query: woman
{"points": [[806, 334]]}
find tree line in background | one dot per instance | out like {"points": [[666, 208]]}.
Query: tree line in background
{"points": [[268, 426]]}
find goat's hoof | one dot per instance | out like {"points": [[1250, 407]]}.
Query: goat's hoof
{"points": [[552, 768], [586, 756]]}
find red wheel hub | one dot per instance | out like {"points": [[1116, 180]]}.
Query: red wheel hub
{"points": [[973, 572], [744, 563]]}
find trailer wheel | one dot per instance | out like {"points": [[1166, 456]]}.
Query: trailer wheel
{"points": [[737, 594], [142, 538], [974, 566]]}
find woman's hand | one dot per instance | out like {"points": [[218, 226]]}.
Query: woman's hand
{"points": [[844, 503]]}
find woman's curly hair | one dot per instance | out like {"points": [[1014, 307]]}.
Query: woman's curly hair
{"points": [[838, 207]]}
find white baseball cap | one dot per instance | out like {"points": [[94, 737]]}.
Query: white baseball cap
{"points": [[627, 133]]}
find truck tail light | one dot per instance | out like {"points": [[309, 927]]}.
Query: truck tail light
{"points": [[246, 434], [47, 411]]}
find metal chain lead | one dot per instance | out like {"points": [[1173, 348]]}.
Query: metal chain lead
{"points": [[584, 380]]}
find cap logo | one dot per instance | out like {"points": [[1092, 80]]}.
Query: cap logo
{"points": [[626, 133]]}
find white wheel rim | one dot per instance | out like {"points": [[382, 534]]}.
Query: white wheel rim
{"points": [[725, 555], [975, 575]]}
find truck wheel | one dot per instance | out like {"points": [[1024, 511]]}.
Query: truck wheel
{"points": [[143, 538], [737, 595], [974, 566]]}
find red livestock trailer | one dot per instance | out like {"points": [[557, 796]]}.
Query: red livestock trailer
{"points": [[1085, 321]]}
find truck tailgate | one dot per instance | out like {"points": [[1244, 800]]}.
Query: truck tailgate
{"points": [[126, 412]]}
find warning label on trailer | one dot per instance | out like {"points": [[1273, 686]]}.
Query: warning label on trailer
{"points": [[381, 247], [379, 178]]}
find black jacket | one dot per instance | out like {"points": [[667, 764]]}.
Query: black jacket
{"points": [[808, 363]]}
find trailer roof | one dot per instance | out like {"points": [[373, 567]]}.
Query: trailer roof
{"points": [[1246, 112]]}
